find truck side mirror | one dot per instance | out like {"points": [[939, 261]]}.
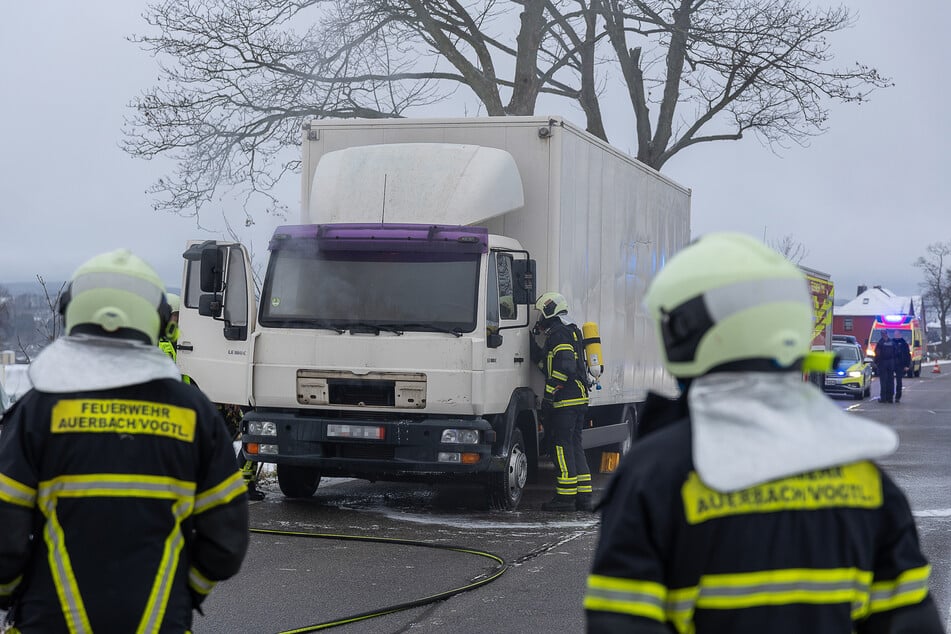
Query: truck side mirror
{"points": [[523, 290], [212, 270], [493, 340]]}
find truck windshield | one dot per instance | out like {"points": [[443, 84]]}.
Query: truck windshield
{"points": [[307, 288]]}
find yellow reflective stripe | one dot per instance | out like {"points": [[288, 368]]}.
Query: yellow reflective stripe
{"points": [[6, 589], [229, 488], [781, 587], [561, 376], [16, 492], [680, 607], [112, 485], [747, 590], [560, 461], [563, 347], [626, 596], [571, 402], [61, 569], [162, 585], [549, 389], [116, 485], [909, 588], [199, 582]]}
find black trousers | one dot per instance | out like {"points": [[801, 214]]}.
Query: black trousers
{"points": [[899, 374], [886, 381], [571, 466]]}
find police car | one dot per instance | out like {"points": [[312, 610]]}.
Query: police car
{"points": [[851, 374]]}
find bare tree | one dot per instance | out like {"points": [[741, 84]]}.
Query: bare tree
{"points": [[936, 286], [238, 77], [51, 326], [791, 249]]}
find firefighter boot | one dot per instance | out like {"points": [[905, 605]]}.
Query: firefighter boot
{"points": [[560, 503], [584, 502]]}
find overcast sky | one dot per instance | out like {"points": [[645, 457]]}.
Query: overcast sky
{"points": [[865, 199]]}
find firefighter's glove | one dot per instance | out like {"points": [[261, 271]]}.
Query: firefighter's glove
{"points": [[537, 329]]}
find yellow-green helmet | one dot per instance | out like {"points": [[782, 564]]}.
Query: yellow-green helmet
{"points": [[551, 304], [118, 293], [728, 302]]}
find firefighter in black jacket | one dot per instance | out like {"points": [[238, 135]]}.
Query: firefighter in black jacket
{"points": [[886, 360], [565, 402], [120, 504], [752, 502]]}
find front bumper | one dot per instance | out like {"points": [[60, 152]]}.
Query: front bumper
{"points": [[843, 385], [408, 448]]}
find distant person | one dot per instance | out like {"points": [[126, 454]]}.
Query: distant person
{"points": [[902, 364], [886, 358], [168, 341], [565, 403], [120, 504], [751, 504]]}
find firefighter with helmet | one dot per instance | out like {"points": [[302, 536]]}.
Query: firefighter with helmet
{"points": [[752, 503], [169, 338], [120, 502], [565, 402]]}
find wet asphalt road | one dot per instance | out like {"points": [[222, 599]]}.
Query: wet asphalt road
{"points": [[291, 582]]}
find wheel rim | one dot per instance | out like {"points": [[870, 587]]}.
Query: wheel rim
{"points": [[518, 470]]}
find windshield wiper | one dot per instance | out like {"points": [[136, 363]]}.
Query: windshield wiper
{"points": [[432, 327], [374, 328], [303, 323]]}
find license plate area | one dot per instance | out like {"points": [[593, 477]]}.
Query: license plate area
{"points": [[404, 390]]}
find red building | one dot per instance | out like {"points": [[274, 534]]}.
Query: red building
{"points": [[856, 317]]}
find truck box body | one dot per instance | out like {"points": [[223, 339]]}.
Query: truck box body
{"points": [[599, 223], [426, 227]]}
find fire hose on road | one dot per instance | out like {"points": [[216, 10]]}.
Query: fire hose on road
{"points": [[482, 580]]}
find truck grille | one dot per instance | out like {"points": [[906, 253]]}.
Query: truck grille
{"points": [[405, 390]]}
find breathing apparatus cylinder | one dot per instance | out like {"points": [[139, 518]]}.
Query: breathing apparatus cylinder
{"points": [[592, 351]]}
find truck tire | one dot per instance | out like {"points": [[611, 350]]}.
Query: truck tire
{"points": [[505, 489], [297, 482], [629, 418]]}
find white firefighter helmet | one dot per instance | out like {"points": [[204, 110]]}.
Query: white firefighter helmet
{"points": [[727, 301]]}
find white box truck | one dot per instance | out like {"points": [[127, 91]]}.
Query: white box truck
{"points": [[391, 337]]}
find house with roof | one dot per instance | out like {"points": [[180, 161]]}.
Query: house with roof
{"points": [[857, 316]]}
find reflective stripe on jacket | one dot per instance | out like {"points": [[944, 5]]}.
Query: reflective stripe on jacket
{"points": [[559, 363]]}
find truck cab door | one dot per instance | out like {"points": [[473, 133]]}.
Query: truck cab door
{"points": [[217, 320], [507, 362]]}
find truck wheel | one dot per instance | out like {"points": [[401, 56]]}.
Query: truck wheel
{"points": [[505, 489], [297, 482], [629, 418]]}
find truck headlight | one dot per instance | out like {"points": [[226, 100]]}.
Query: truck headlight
{"points": [[460, 436], [261, 428]]}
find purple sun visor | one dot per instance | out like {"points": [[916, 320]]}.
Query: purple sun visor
{"points": [[385, 237]]}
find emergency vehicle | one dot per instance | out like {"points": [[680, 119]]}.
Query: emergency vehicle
{"points": [[908, 328]]}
